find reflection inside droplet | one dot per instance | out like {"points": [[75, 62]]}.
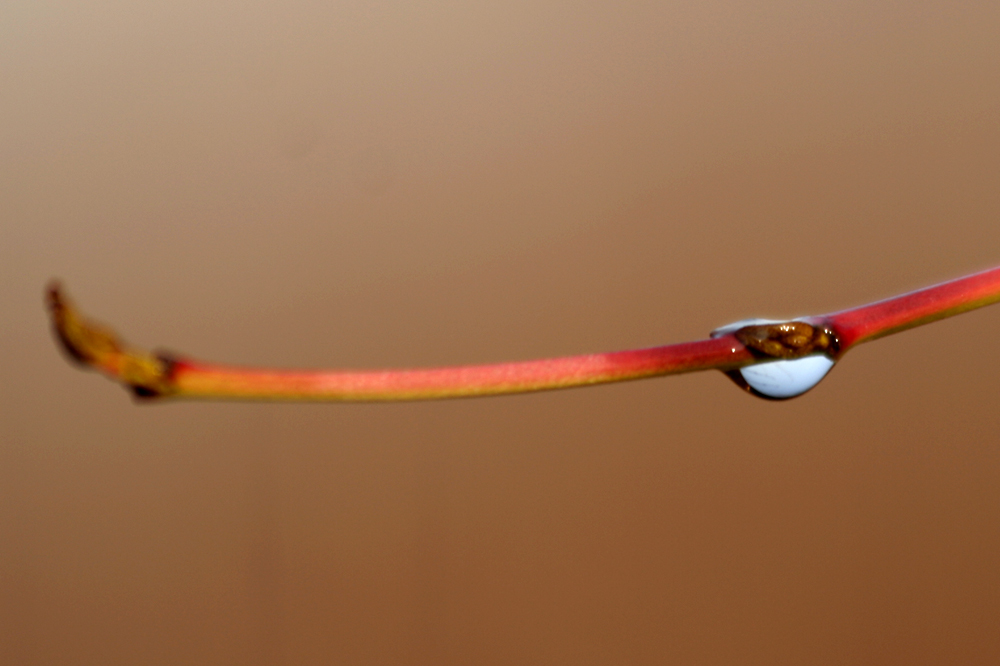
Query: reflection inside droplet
{"points": [[778, 379]]}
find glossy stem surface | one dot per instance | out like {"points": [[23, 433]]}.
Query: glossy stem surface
{"points": [[160, 376], [899, 313], [193, 379]]}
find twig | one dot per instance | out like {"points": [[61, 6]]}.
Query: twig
{"points": [[151, 375]]}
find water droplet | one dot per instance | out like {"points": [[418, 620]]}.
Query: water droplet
{"points": [[779, 379]]}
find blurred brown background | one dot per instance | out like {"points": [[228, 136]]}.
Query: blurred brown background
{"points": [[367, 184]]}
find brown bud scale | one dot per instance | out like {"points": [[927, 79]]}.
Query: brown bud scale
{"points": [[788, 340]]}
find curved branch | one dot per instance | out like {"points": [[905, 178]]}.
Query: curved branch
{"points": [[151, 375]]}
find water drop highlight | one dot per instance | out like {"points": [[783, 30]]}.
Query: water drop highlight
{"points": [[782, 378]]}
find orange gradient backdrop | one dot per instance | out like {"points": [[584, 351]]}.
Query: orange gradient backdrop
{"points": [[326, 184]]}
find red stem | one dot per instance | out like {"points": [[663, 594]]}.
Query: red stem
{"points": [[204, 380], [873, 321], [150, 375]]}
